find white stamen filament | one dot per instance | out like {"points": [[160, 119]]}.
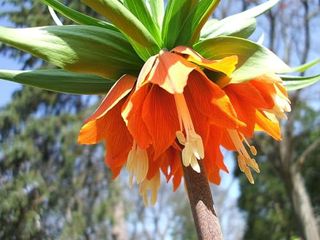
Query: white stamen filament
{"points": [[137, 164], [193, 145]]}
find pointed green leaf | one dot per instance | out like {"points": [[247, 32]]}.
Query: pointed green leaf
{"points": [[86, 49], [128, 24], [190, 31], [237, 20], [76, 16], [175, 16], [139, 9], [156, 8], [295, 83], [253, 59], [60, 81], [306, 66], [256, 11], [243, 28]]}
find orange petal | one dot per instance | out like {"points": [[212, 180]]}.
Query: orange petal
{"points": [[171, 72], [161, 119], [145, 71], [93, 131], [118, 139], [227, 142], [154, 165], [177, 175], [266, 90], [199, 120], [212, 102], [167, 161], [267, 125], [226, 65], [245, 111], [250, 94], [132, 115], [119, 90], [213, 161]]}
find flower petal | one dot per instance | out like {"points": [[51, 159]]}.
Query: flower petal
{"points": [[245, 111], [93, 131], [171, 72], [212, 101], [160, 116], [117, 137], [225, 65], [119, 90], [250, 94], [132, 115], [145, 71], [213, 161], [271, 127]]}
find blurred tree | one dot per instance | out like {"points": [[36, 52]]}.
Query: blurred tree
{"points": [[269, 202], [50, 187], [282, 205]]}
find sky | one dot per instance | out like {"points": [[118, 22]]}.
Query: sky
{"points": [[7, 88]]}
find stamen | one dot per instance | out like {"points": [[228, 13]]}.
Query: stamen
{"points": [[137, 164], [181, 138], [193, 145], [281, 104], [253, 150], [244, 159], [151, 186]]}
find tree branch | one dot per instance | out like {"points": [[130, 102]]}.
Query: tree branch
{"points": [[309, 150]]}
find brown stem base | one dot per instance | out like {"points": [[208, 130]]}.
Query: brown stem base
{"points": [[204, 215]]}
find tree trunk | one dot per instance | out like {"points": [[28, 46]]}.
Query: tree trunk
{"points": [[204, 215], [302, 205], [119, 228]]}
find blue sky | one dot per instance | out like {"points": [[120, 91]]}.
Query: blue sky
{"points": [[7, 88]]}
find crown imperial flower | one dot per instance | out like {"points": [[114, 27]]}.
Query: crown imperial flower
{"points": [[173, 114]]}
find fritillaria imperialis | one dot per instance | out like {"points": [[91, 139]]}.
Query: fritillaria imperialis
{"points": [[178, 86]]}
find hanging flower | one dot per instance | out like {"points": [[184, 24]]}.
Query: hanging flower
{"points": [[174, 115], [164, 110]]}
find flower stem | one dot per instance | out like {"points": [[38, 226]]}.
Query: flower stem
{"points": [[204, 215]]}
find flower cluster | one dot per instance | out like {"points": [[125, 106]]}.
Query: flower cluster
{"points": [[180, 110]]}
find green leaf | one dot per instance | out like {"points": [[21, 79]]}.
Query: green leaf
{"points": [[176, 14], [60, 81], [236, 21], [139, 9], [295, 82], [255, 11], [190, 31], [76, 16], [85, 49], [243, 28], [141, 39], [306, 66], [253, 59], [156, 8]]}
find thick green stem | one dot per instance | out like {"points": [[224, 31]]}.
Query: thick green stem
{"points": [[204, 215]]}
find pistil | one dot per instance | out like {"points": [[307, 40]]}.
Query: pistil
{"points": [[193, 145]]}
